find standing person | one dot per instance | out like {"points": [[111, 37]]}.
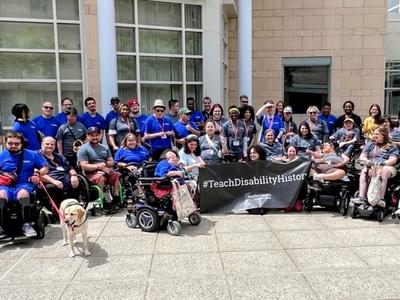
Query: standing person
{"points": [[140, 118], [217, 115], [46, 123], [348, 108], [306, 142], [234, 133], [173, 106], [66, 104], [184, 127], [190, 156], [317, 126], [121, 126], [266, 116], [70, 136], [211, 145], [372, 121], [111, 115], [207, 103], [158, 130], [21, 162], [290, 126], [243, 105], [328, 118], [91, 118], [23, 125], [250, 128], [279, 107], [196, 116], [97, 163]]}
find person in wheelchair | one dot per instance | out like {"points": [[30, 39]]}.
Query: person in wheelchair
{"points": [[382, 152], [347, 136], [328, 165], [97, 163], [131, 154], [169, 166], [62, 180], [20, 162]]}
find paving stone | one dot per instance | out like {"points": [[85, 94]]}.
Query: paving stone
{"points": [[351, 285], [325, 258], [244, 241], [114, 268], [379, 256], [116, 289], [186, 264], [124, 245], [211, 287], [391, 276], [240, 224], [5, 264], [257, 262], [270, 286], [338, 221], [308, 239], [35, 291], [53, 248], [292, 222], [14, 250], [120, 228], [185, 244], [94, 230], [366, 236]]}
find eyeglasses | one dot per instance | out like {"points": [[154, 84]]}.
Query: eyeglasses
{"points": [[312, 112], [48, 107], [159, 110], [13, 144], [270, 107], [244, 101]]}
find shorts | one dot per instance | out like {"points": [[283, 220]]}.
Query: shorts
{"points": [[112, 177], [12, 192]]}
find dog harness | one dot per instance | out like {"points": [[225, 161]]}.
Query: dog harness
{"points": [[72, 225]]}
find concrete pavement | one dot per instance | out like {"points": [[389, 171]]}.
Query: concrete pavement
{"points": [[276, 256]]}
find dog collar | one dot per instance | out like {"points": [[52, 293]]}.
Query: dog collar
{"points": [[77, 226]]}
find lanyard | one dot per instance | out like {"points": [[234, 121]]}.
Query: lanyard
{"points": [[235, 129], [288, 128], [161, 125]]}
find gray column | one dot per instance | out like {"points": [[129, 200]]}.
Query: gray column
{"points": [[107, 52], [245, 48]]}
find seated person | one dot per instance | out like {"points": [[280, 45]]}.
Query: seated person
{"points": [[273, 150], [131, 153], [169, 166], [22, 162], [347, 136], [306, 142], [380, 151], [190, 156], [291, 154], [96, 162], [256, 152], [328, 165], [61, 180]]}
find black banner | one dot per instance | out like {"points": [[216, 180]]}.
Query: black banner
{"points": [[235, 187]]}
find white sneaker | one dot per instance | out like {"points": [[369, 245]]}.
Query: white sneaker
{"points": [[397, 212], [28, 230], [358, 200], [319, 177], [381, 203]]}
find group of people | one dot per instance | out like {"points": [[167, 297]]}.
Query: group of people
{"points": [[51, 148]]}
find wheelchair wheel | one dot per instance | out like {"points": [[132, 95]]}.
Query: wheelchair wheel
{"points": [[353, 212], [344, 203], [84, 191], [194, 219], [174, 228], [148, 220], [131, 220], [308, 205], [40, 226], [381, 215]]}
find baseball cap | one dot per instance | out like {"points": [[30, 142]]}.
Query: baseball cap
{"points": [[184, 110], [114, 99], [92, 129], [133, 101], [287, 109]]}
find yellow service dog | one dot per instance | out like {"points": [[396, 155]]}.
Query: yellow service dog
{"points": [[73, 221]]}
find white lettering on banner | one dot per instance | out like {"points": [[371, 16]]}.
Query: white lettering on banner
{"points": [[261, 180]]}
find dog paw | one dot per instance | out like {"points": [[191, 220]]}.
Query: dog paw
{"points": [[71, 254], [87, 253]]}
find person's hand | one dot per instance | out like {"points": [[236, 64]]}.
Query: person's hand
{"points": [[115, 148], [35, 178], [74, 181], [169, 133], [201, 165], [188, 127], [341, 144], [102, 166], [131, 168], [58, 184]]}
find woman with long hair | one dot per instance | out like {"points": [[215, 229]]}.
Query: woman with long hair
{"points": [[217, 115], [250, 128], [290, 126], [211, 144], [131, 154], [273, 150], [190, 156], [317, 126], [372, 121], [279, 107], [306, 142]]}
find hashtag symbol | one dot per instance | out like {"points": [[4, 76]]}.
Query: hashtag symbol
{"points": [[205, 184]]}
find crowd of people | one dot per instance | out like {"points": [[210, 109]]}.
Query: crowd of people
{"points": [[51, 148]]}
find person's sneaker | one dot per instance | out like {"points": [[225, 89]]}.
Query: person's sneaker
{"points": [[397, 212], [358, 200], [319, 177], [382, 203], [28, 230], [1, 231]]}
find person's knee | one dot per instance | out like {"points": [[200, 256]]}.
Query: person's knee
{"points": [[3, 195], [23, 194]]}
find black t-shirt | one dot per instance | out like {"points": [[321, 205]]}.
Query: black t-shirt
{"points": [[340, 120]]}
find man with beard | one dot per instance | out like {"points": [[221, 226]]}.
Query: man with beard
{"points": [[46, 123], [196, 116], [348, 107], [234, 132], [206, 107], [70, 134], [244, 104], [97, 164], [67, 104], [91, 118], [23, 125], [20, 163]]}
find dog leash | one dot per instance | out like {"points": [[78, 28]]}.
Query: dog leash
{"points": [[53, 204]]}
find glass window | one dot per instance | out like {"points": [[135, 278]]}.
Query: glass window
{"points": [[394, 6], [194, 43], [195, 91], [160, 41], [160, 69], [305, 86], [124, 11], [73, 91], [127, 91], [70, 66], [126, 67], [31, 93], [26, 35], [125, 39], [27, 65], [68, 37], [159, 13], [150, 92], [36, 9], [193, 16], [67, 9], [194, 69], [392, 88]]}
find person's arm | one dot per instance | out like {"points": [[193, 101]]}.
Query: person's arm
{"points": [[86, 166], [261, 110], [192, 129], [111, 140], [110, 162], [391, 161]]}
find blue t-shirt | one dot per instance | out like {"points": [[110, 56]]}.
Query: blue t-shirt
{"points": [[29, 132], [31, 160], [96, 121], [154, 125], [181, 131], [196, 116], [61, 117], [275, 123], [330, 121], [47, 126], [164, 167], [140, 120], [136, 156], [111, 116]]}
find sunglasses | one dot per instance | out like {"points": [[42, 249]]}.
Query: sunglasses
{"points": [[312, 112], [48, 107], [13, 144], [159, 110]]}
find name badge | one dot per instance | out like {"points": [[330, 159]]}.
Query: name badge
{"points": [[236, 143], [210, 152], [164, 136], [60, 168]]}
